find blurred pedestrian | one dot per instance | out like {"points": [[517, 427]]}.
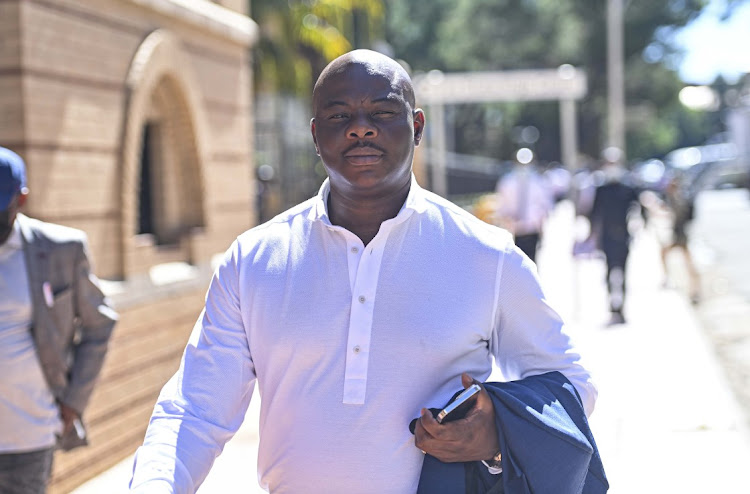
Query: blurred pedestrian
{"points": [[614, 200], [680, 205], [560, 180], [54, 328], [524, 200], [354, 311], [583, 186]]}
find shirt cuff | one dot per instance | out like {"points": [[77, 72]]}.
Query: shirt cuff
{"points": [[493, 470]]}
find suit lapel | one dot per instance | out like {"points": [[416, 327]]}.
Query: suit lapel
{"points": [[37, 267]]}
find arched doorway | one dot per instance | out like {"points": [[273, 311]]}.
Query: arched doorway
{"points": [[162, 159]]}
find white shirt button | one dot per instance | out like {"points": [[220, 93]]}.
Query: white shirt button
{"points": [[356, 349], [355, 250], [362, 299]]}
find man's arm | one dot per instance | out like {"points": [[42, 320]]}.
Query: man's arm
{"points": [[96, 321], [204, 403], [530, 338]]}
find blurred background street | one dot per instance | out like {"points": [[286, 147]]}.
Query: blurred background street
{"points": [[165, 128], [721, 245]]}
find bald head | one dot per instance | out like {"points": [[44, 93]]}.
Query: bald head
{"points": [[376, 64]]}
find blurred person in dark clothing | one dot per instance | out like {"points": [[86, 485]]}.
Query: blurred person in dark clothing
{"points": [[610, 213], [54, 328]]}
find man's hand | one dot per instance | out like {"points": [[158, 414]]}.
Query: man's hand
{"points": [[472, 438], [67, 415]]}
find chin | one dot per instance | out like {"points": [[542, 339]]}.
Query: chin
{"points": [[365, 178], [365, 184], [370, 180]]}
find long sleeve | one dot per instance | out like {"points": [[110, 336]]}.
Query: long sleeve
{"points": [[204, 403], [530, 336], [97, 319]]}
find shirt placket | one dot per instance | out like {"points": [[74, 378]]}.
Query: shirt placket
{"points": [[364, 268]]}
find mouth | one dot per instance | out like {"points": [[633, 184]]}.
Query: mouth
{"points": [[363, 156]]}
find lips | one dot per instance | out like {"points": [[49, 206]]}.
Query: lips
{"points": [[363, 156]]}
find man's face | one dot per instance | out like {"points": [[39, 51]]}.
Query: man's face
{"points": [[365, 131], [8, 217]]}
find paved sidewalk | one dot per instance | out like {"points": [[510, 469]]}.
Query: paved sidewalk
{"points": [[666, 420]]}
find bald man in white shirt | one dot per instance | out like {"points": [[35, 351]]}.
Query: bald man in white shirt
{"points": [[354, 312]]}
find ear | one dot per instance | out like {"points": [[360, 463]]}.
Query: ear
{"points": [[418, 125], [315, 138], [22, 196]]}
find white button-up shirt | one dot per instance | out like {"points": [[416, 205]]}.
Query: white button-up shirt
{"points": [[347, 342]]}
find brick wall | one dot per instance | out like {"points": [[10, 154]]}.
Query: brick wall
{"points": [[144, 353], [77, 83]]}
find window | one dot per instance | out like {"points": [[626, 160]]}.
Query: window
{"points": [[145, 193]]}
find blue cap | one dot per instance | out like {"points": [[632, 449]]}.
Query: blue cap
{"points": [[12, 176]]}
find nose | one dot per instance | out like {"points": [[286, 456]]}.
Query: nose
{"points": [[361, 127]]}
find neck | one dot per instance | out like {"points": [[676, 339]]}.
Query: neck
{"points": [[363, 216]]}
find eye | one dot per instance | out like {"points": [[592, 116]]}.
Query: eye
{"points": [[384, 113], [338, 116]]}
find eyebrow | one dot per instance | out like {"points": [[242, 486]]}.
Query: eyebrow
{"points": [[382, 99], [333, 103], [388, 99]]}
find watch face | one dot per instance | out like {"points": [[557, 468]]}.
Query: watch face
{"points": [[495, 461]]}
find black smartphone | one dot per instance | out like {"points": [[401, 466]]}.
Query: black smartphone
{"points": [[458, 408]]}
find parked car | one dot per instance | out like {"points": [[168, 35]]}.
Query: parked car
{"points": [[711, 166]]}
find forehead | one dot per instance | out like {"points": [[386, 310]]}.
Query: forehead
{"points": [[359, 82]]}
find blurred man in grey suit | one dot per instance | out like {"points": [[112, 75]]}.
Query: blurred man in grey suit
{"points": [[54, 327]]}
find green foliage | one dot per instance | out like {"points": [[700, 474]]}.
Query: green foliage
{"points": [[498, 40], [299, 37], [652, 136], [519, 34], [410, 28]]}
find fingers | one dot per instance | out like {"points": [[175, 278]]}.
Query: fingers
{"points": [[428, 423], [67, 416], [483, 404], [421, 436], [467, 380], [456, 440], [445, 432], [483, 401], [429, 435]]}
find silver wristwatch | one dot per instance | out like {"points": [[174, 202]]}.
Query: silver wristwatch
{"points": [[495, 461]]}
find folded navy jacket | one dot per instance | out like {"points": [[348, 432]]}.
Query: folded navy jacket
{"points": [[546, 444]]}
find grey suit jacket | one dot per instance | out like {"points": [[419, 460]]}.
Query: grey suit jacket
{"points": [[72, 321]]}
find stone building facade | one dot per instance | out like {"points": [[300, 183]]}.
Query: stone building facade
{"points": [[134, 118]]}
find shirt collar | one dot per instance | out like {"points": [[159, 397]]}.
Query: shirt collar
{"points": [[415, 202]]}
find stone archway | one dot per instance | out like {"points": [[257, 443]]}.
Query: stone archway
{"points": [[160, 87]]}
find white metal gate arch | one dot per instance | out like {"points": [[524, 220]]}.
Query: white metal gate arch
{"points": [[437, 89]]}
